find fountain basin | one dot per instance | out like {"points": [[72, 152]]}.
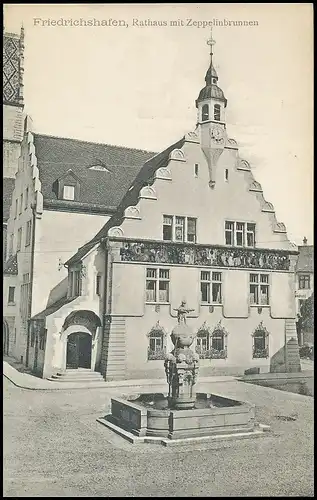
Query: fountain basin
{"points": [[148, 414]]}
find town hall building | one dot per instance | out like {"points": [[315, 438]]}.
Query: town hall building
{"points": [[192, 226]]}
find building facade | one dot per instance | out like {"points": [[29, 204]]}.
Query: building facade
{"points": [[65, 190], [304, 288], [194, 227]]}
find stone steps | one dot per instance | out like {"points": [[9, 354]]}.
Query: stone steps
{"points": [[77, 376]]}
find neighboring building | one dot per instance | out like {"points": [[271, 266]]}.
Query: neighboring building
{"points": [[65, 191], [13, 68], [10, 272], [304, 281], [193, 226], [13, 48]]}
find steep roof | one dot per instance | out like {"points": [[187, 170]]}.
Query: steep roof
{"points": [[143, 178], [11, 266], [305, 261], [8, 187], [57, 155]]}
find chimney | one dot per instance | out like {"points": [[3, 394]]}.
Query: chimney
{"points": [[305, 241]]}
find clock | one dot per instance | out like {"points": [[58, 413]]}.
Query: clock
{"points": [[217, 133]]}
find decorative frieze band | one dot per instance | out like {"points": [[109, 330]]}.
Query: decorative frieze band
{"points": [[171, 253]]}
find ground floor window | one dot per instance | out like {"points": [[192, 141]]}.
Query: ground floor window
{"points": [[212, 344], [260, 346], [157, 343]]}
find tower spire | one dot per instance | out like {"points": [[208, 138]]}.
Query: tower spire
{"points": [[211, 42]]}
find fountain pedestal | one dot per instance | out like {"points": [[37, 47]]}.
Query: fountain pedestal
{"points": [[181, 365]]}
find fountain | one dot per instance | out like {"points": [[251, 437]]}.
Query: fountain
{"points": [[182, 413]]}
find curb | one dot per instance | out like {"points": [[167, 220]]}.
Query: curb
{"points": [[30, 382]]}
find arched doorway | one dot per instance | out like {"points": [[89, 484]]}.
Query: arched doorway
{"points": [[5, 338], [78, 354]]}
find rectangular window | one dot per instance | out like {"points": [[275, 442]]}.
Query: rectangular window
{"points": [[196, 169], [21, 203], [239, 234], [98, 284], [179, 229], [229, 233], [259, 289], [167, 227], [176, 228], [250, 235], [16, 208], [191, 230], [19, 241], [25, 289], [69, 192], [26, 200], [304, 282], [226, 175], [210, 287], [240, 226], [76, 283], [157, 285], [28, 233], [11, 295], [11, 245]]}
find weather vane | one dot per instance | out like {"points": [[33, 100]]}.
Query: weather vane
{"points": [[211, 42]]}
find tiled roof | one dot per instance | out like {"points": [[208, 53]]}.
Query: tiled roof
{"points": [[11, 266], [144, 177], [57, 155], [305, 262], [8, 187]]}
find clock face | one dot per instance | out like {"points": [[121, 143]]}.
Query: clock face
{"points": [[217, 134]]}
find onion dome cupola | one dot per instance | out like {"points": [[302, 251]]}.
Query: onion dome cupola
{"points": [[211, 102]]}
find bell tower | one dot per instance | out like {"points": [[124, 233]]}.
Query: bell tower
{"points": [[211, 105], [13, 102]]}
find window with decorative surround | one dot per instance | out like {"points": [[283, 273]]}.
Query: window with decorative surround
{"points": [[212, 344], [240, 234], [157, 285], [157, 342], [260, 342], [259, 289], [177, 228], [304, 281], [21, 203], [210, 287]]}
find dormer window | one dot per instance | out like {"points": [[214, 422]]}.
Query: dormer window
{"points": [[217, 112], [68, 192], [205, 112], [67, 187]]}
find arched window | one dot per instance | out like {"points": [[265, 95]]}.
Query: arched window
{"points": [[157, 342], [260, 347], [217, 112], [205, 112]]}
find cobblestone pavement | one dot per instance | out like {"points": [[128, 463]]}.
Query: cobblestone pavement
{"points": [[54, 447]]}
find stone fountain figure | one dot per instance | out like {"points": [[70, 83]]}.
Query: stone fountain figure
{"points": [[181, 365]]}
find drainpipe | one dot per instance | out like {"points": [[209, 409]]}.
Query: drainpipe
{"points": [[33, 207]]}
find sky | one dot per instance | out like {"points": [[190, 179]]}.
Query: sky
{"points": [[136, 86]]}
